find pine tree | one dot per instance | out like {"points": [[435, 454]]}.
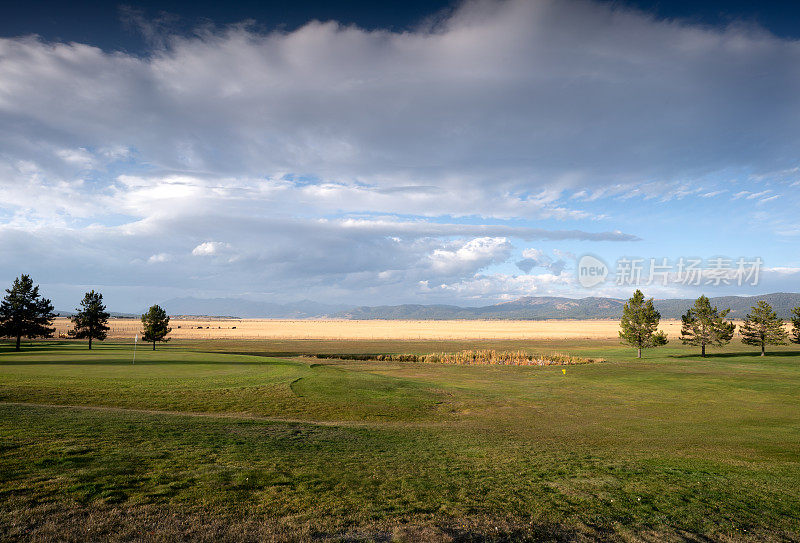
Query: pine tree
{"points": [[705, 325], [640, 324], [156, 325], [24, 313], [762, 327], [91, 319], [795, 337]]}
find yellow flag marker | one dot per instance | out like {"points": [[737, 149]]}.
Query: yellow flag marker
{"points": [[563, 371]]}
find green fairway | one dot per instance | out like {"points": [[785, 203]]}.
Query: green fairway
{"points": [[263, 444]]}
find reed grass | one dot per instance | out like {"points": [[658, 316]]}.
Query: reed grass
{"points": [[475, 357]]}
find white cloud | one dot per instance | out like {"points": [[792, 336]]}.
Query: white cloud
{"points": [[768, 199], [782, 270], [566, 255], [756, 195], [534, 254], [208, 248], [470, 256], [499, 286], [159, 258], [79, 157]]}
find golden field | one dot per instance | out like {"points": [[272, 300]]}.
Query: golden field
{"points": [[376, 329]]}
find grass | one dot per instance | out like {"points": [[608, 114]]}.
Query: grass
{"points": [[197, 442]]}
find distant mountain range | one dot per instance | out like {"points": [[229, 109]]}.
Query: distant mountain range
{"points": [[528, 307], [237, 307], [113, 314]]}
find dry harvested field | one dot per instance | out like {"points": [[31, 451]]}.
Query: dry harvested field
{"points": [[377, 329]]}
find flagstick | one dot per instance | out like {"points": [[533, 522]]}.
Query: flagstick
{"points": [[135, 339]]}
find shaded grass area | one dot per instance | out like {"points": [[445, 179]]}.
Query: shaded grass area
{"points": [[670, 447], [331, 481]]}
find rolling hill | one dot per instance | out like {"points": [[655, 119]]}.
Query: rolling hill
{"points": [[528, 307]]}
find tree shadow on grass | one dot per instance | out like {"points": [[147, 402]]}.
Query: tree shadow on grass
{"points": [[740, 354], [71, 346], [106, 362], [27, 346], [263, 354], [39, 345], [68, 353]]}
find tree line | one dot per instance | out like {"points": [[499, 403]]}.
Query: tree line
{"points": [[25, 313], [704, 325]]}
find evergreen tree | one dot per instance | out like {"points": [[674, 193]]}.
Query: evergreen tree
{"points": [[24, 313], [705, 325], [156, 325], [640, 324], [91, 319], [795, 337], [762, 327]]}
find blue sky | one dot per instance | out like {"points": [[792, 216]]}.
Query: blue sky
{"points": [[463, 153]]}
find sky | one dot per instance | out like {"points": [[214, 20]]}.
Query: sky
{"points": [[411, 152]]}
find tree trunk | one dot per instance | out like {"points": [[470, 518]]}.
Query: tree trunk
{"points": [[703, 350], [90, 343], [762, 348], [19, 339], [639, 352], [154, 345]]}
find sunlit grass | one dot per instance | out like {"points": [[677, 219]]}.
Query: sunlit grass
{"points": [[259, 445]]}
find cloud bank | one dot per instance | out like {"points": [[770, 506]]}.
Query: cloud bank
{"points": [[351, 164]]}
